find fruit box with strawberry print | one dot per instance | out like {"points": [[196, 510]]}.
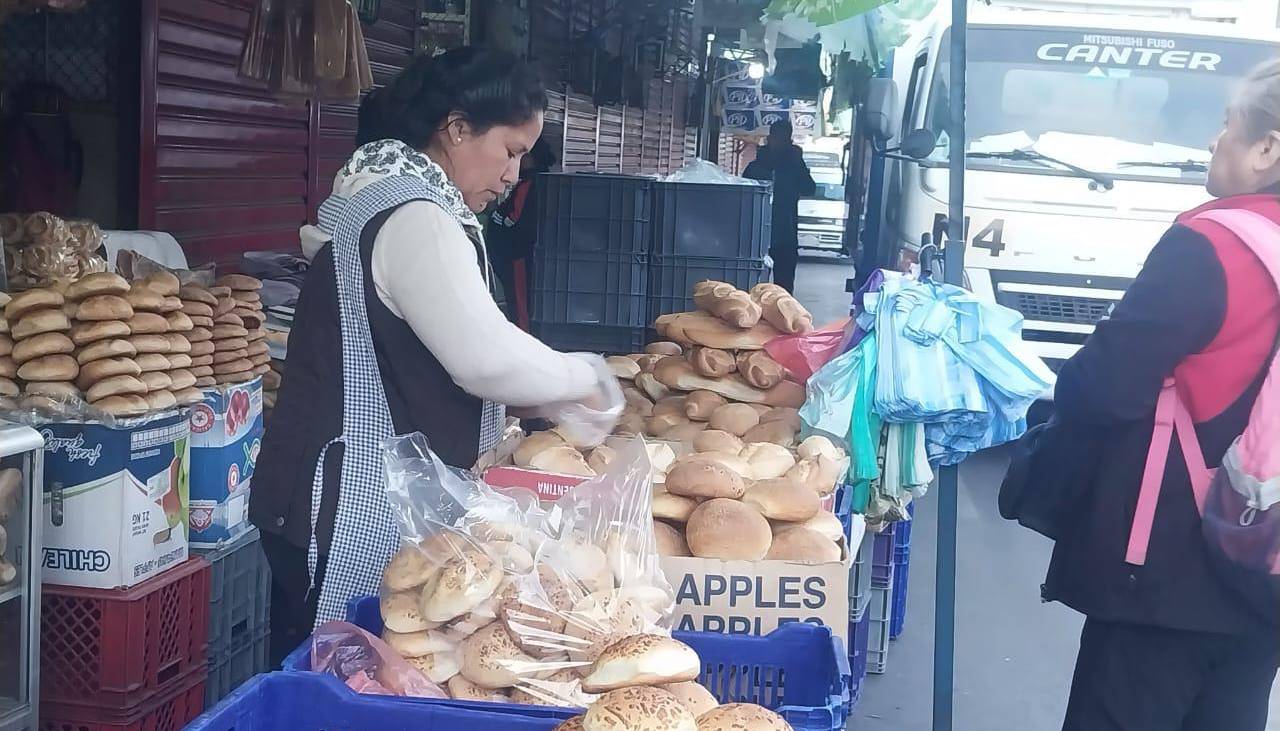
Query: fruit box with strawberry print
{"points": [[115, 500], [226, 434]]}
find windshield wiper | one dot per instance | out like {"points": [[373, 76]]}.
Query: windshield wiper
{"points": [[1037, 157], [1186, 166]]}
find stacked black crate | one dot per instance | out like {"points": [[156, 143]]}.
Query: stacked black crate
{"points": [[706, 231], [590, 267]]}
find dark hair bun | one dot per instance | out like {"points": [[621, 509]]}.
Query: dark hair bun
{"points": [[486, 87]]}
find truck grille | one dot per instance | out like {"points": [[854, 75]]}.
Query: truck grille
{"points": [[1061, 308]]}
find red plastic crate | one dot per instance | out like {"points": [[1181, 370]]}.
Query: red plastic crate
{"points": [[180, 703], [118, 649]]}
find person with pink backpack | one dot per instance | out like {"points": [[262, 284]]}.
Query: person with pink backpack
{"points": [[1168, 423]]}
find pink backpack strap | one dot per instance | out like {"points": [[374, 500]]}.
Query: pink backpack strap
{"points": [[1259, 234]]}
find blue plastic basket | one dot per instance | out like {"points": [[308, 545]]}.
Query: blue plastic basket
{"points": [[317, 702], [800, 671], [901, 568], [859, 643]]}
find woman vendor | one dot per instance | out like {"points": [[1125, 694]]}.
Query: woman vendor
{"points": [[397, 331]]}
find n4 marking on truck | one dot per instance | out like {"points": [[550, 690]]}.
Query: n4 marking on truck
{"points": [[991, 237]]}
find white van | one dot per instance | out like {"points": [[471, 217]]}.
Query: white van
{"points": [[823, 215], [1088, 134]]}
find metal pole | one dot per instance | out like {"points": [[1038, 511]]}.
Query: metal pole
{"points": [[944, 637]]}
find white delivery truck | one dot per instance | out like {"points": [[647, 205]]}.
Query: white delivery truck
{"points": [[1088, 133], [823, 214]]}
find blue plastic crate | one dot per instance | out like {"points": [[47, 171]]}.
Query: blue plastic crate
{"points": [[800, 671], [859, 643], [882, 557], [316, 702], [899, 616]]}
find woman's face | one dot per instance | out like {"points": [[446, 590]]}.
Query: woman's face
{"points": [[484, 165], [1242, 165]]}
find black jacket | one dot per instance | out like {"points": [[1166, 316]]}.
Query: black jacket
{"points": [[784, 166], [1174, 308]]}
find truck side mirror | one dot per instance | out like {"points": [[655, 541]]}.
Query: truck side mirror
{"points": [[919, 144], [882, 110]]}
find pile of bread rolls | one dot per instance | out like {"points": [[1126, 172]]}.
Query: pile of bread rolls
{"points": [[239, 351], [478, 614], [41, 247], [650, 682], [11, 485]]}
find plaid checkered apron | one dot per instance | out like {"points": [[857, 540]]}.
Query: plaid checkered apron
{"points": [[364, 531]]}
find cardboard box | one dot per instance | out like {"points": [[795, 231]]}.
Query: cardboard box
{"points": [[757, 597], [226, 436], [115, 500]]}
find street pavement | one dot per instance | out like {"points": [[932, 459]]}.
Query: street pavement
{"points": [[1014, 654]]}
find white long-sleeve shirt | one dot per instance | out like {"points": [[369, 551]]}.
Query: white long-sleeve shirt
{"points": [[425, 271]]}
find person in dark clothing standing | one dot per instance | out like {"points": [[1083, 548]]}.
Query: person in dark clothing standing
{"points": [[513, 230], [1170, 645], [782, 162]]}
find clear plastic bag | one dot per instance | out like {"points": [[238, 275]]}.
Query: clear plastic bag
{"points": [[585, 425], [497, 598], [366, 664]]}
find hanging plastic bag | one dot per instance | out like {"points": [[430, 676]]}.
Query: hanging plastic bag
{"points": [[366, 664], [802, 355], [499, 599]]}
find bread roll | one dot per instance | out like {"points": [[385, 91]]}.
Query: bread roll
{"points": [[639, 708], [177, 343], [236, 377], [251, 298], [648, 362], [820, 473], [659, 424], [623, 368], [202, 348], [161, 400], [663, 349], [152, 362], [179, 322], [783, 499], [49, 368], [40, 321], [819, 445], [727, 302], [642, 660], [759, 369], [824, 523], [188, 396], [205, 323], [206, 381], [54, 389], [601, 457], [143, 323], [180, 378], [156, 381], [241, 365], [231, 344], [196, 293], [84, 333], [401, 615], [115, 386], [229, 356], [104, 307], [197, 309], [731, 462], [115, 348], [226, 318], [163, 282], [695, 698], [408, 569], [700, 328], [712, 362], [38, 346], [152, 343], [700, 405], [637, 402], [735, 419], [122, 405], [648, 384], [716, 440], [768, 460], [774, 432], [534, 443], [8, 387], [742, 717], [222, 332], [98, 370], [673, 507], [670, 541], [803, 545], [464, 690], [461, 584], [562, 460], [490, 658], [199, 371], [697, 476], [6, 345], [96, 284], [685, 432], [142, 299], [786, 414], [8, 367], [241, 282], [780, 309], [728, 530], [170, 304], [32, 300]]}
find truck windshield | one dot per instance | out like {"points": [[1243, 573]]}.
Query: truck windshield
{"points": [[1125, 103]]}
